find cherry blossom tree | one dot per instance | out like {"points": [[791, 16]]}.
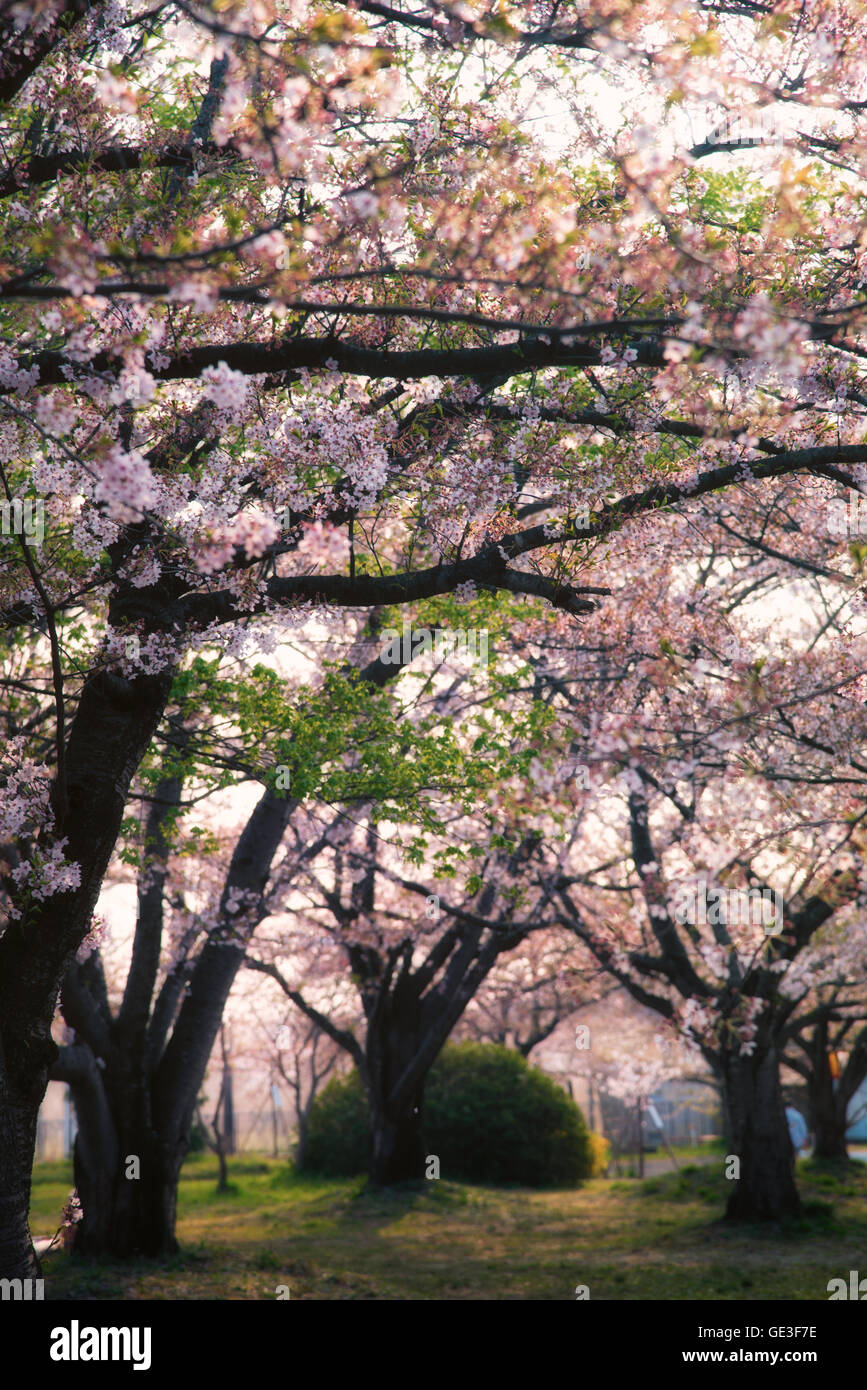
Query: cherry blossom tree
{"points": [[828, 1035], [301, 318], [416, 959], [723, 885], [305, 1062], [723, 986], [141, 1049]]}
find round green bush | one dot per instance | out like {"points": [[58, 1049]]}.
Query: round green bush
{"points": [[338, 1129], [488, 1115]]}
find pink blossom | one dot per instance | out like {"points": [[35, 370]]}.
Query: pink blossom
{"points": [[227, 389], [126, 485]]}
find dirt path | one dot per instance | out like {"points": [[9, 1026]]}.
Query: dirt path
{"points": [[660, 1162]]}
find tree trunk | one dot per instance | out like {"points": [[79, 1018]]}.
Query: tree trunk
{"points": [[112, 728], [223, 1167], [17, 1145], [397, 1152], [759, 1136], [96, 1154], [127, 1183], [302, 1124], [136, 1216], [829, 1098], [125, 1176], [134, 1106], [406, 1031], [828, 1112], [394, 1080]]}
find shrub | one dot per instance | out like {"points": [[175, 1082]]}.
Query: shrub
{"points": [[600, 1154], [338, 1129], [488, 1115]]}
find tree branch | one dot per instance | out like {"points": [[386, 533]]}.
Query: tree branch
{"points": [[341, 1036]]}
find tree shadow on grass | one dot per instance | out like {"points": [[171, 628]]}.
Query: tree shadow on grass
{"points": [[824, 1188]]}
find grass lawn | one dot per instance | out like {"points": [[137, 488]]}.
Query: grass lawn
{"points": [[330, 1239]]}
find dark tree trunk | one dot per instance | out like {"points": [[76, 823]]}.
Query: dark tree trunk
{"points": [[146, 1210], [829, 1097], [135, 1216], [96, 1155], [302, 1125], [140, 1103], [828, 1113], [397, 1148], [125, 1177], [223, 1168], [129, 1208], [17, 1146], [228, 1125], [406, 1030], [759, 1136], [394, 1078], [111, 731]]}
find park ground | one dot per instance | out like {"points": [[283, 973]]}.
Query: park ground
{"points": [[661, 1238]]}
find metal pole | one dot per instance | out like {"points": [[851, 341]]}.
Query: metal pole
{"points": [[640, 1139]]}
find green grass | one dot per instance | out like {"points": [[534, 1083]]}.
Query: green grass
{"points": [[680, 1151], [330, 1239]]}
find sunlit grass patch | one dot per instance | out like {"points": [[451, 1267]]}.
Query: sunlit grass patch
{"points": [[663, 1238]]}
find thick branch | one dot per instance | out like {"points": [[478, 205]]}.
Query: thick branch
{"points": [[486, 571], [134, 1011], [312, 353], [549, 36], [114, 159]]}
